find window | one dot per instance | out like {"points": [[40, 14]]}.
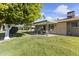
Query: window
{"points": [[51, 26], [74, 24]]}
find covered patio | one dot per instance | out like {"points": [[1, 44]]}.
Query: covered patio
{"points": [[44, 27]]}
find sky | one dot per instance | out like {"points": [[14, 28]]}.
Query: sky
{"points": [[59, 10]]}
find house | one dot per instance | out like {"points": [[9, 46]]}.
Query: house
{"points": [[67, 26]]}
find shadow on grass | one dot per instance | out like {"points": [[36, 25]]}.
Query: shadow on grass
{"points": [[2, 36], [68, 35], [16, 35], [23, 33], [11, 35]]}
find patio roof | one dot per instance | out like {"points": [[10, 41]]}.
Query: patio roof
{"points": [[43, 21]]}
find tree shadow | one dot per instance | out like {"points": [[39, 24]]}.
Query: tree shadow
{"points": [[68, 35], [11, 35], [73, 35], [2, 36], [16, 35]]}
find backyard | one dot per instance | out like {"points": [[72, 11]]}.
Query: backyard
{"points": [[26, 44]]}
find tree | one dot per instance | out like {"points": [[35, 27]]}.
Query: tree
{"points": [[20, 13]]}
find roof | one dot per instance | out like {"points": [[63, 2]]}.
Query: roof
{"points": [[56, 21], [70, 19]]}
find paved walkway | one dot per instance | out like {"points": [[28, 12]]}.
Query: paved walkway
{"points": [[47, 35]]}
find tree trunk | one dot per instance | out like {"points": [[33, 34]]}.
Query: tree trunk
{"points": [[6, 32]]}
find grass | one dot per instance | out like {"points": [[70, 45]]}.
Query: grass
{"points": [[29, 45]]}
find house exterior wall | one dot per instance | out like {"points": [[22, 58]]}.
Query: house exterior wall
{"points": [[60, 28], [73, 30]]}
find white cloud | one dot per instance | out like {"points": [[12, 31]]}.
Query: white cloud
{"points": [[76, 14], [49, 17], [60, 17], [62, 9], [54, 18]]}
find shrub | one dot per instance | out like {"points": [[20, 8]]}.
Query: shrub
{"points": [[13, 30]]}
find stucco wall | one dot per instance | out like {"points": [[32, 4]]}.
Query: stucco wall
{"points": [[60, 28]]}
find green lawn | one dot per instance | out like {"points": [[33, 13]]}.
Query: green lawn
{"points": [[23, 44]]}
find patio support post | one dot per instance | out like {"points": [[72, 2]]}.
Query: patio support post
{"points": [[47, 27]]}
